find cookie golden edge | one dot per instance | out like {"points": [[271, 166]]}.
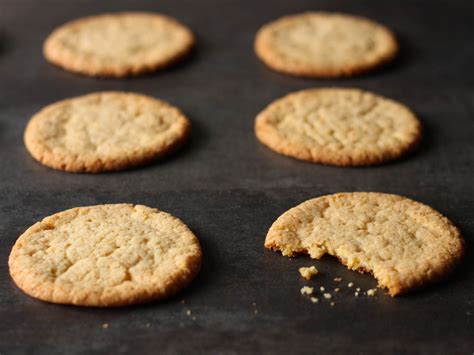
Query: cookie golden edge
{"points": [[55, 55], [53, 161], [45, 291], [270, 139], [440, 273], [274, 62]]}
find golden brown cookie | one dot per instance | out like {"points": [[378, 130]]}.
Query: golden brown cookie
{"points": [[118, 44], [403, 243], [322, 44], [105, 256], [345, 127], [105, 131]]}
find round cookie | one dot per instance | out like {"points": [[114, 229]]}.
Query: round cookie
{"points": [[105, 131], [403, 243], [105, 256], [345, 127], [118, 44], [321, 44]]}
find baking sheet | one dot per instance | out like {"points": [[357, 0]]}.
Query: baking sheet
{"points": [[229, 189]]}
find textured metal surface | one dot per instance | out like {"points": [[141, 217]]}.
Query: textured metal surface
{"points": [[229, 189]]}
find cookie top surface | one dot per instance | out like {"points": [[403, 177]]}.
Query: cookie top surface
{"points": [[403, 243], [346, 127], [320, 44], [105, 131], [118, 44], [105, 255]]}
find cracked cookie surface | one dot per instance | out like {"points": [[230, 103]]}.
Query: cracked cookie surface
{"points": [[118, 44], [345, 127], [105, 131], [105, 255], [403, 243], [321, 44]]}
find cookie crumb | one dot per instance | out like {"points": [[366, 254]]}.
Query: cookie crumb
{"points": [[322, 289], [337, 289], [105, 325], [332, 304], [188, 312], [308, 272], [350, 284], [371, 292], [356, 294], [411, 256], [338, 279], [306, 290], [314, 299], [327, 296], [358, 289]]}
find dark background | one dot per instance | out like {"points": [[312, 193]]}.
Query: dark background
{"points": [[229, 189]]}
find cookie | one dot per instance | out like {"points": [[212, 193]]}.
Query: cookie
{"points": [[118, 44], [105, 131], [345, 127], [105, 256], [403, 243], [321, 44]]}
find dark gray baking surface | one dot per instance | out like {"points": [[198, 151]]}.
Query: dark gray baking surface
{"points": [[229, 189]]}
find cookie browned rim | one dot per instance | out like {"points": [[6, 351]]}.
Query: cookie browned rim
{"points": [[59, 54], [405, 244], [296, 145], [105, 256], [264, 50], [43, 125]]}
